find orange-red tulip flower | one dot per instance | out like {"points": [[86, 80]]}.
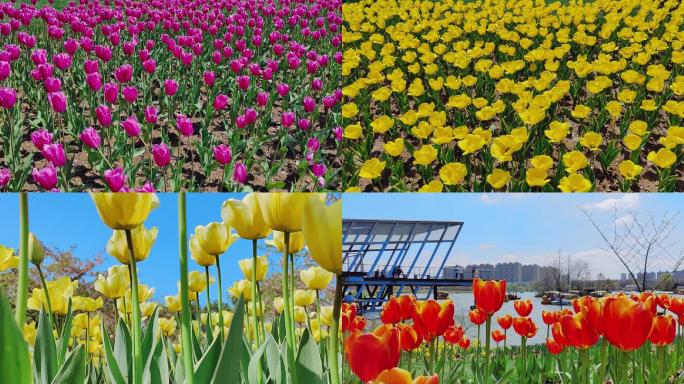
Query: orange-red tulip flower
{"points": [[369, 354], [663, 300], [577, 330], [453, 334], [553, 346], [391, 311], [464, 343], [505, 321], [434, 379], [498, 336], [477, 317], [402, 376], [627, 322], [550, 317], [677, 306], [524, 326], [348, 315], [523, 307], [593, 309], [406, 306], [489, 294], [431, 319], [663, 331], [410, 338]]}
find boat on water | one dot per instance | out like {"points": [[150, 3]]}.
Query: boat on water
{"points": [[558, 298], [512, 296]]}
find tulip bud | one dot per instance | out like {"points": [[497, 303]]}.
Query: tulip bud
{"points": [[36, 251], [5, 177]]}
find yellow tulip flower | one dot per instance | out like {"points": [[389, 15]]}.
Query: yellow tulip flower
{"points": [[304, 298], [574, 161], [198, 253], [498, 178], [432, 187], [299, 315], [352, 131], [322, 229], [86, 304], [372, 169], [536, 177], [664, 158], [147, 308], [214, 238], [246, 266], [283, 211], [629, 170], [575, 183], [382, 124], [544, 162], [143, 240], [245, 216], [315, 278], [197, 281], [278, 242], [144, 293], [7, 258], [326, 314], [122, 211], [591, 140], [425, 155], [278, 304], [173, 303], [242, 287], [115, 285], [394, 148], [167, 326], [60, 291], [453, 173], [30, 332]]}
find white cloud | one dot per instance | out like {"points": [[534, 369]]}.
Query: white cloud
{"points": [[624, 220], [486, 246], [626, 201], [489, 199]]}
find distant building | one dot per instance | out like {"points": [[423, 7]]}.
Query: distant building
{"points": [[513, 272]]}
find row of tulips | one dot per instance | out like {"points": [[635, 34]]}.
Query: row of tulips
{"points": [[613, 338], [296, 342], [170, 95]]}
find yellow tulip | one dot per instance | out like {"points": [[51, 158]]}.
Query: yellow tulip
{"points": [[283, 211], [242, 287], [167, 326], [372, 169], [86, 304], [664, 158], [575, 183], [536, 177], [425, 155], [7, 258], [432, 187], [147, 309], [144, 293], [116, 283], [214, 237], [453, 173], [36, 251], [574, 161], [326, 314], [299, 315], [173, 303], [198, 253], [143, 240], [30, 332], [278, 242], [394, 148], [124, 210], [245, 216], [629, 170], [60, 291], [246, 267], [498, 178], [278, 304], [322, 229], [197, 281], [316, 278], [304, 298]]}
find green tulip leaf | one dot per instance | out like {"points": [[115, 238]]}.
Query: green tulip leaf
{"points": [[73, 370], [15, 366], [309, 367], [44, 351], [63, 344], [112, 369], [204, 368], [253, 371], [228, 368], [122, 349]]}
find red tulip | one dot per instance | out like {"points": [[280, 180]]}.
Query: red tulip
{"points": [[489, 295], [505, 321], [498, 336], [553, 346], [524, 326], [410, 338], [477, 316], [628, 323], [383, 345], [523, 307], [663, 331], [431, 318], [453, 334]]}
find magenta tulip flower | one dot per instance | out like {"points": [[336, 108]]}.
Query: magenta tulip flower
{"points": [[90, 137], [149, 66], [309, 104], [184, 125], [8, 97], [220, 102], [209, 78], [52, 84], [131, 126], [5, 70], [5, 177], [240, 173], [243, 82], [124, 73], [94, 81], [115, 179], [222, 154], [62, 61], [104, 115], [170, 87], [146, 188], [262, 99], [90, 66], [151, 114], [40, 138], [130, 93], [287, 119], [46, 177], [54, 153], [282, 89], [58, 101], [111, 92], [161, 155]]}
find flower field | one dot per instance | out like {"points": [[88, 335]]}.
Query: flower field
{"points": [[119, 335], [170, 95], [615, 339], [513, 95]]}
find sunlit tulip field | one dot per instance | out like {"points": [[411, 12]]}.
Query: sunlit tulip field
{"points": [[169, 95], [637, 338], [119, 335], [516, 95]]}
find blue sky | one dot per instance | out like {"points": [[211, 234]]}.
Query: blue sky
{"points": [[529, 228], [62, 220]]}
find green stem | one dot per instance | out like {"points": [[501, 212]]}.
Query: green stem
{"points": [[523, 375], [255, 318], [432, 358], [661, 362], [604, 360], [584, 355], [208, 325], [47, 296], [22, 283], [289, 328], [220, 296], [186, 334], [137, 339], [488, 328]]}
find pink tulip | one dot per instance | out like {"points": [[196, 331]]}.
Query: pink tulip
{"points": [[282, 89], [8, 97], [222, 154], [150, 66], [39, 56], [54, 153], [250, 115], [316, 84], [104, 115], [62, 61], [46, 177], [184, 125], [338, 132], [262, 99], [5, 177], [90, 66], [130, 93], [5, 70], [304, 124], [52, 84], [309, 104], [161, 155], [209, 78], [241, 121], [287, 119], [146, 188], [131, 126], [124, 73], [58, 101], [111, 92], [115, 179], [170, 87], [151, 114], [318, 169], [40, 138], [313, 144], [240, 173], [220, 102], [94, 81], [243, 82], [71, 46], [90, 137]]}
